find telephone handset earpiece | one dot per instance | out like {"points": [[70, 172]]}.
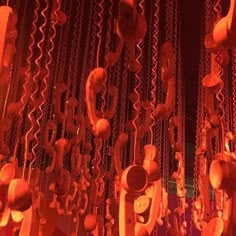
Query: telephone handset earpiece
{"points": [[95, 81], [131, 26], [224, 32], [167, 61]]}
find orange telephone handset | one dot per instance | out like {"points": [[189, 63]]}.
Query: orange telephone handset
{"points": [[173, 125], [224, 32], [131, 26], [167, 60], [95, 81], [8, 32]]}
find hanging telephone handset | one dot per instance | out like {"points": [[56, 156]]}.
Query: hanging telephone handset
{"points": [[8, 32], [95, 81], [224, 32], [167, 60], [131, 28], [138, 216], [62, 184], [14, 108]]}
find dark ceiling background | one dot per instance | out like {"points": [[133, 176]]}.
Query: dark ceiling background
{"points": [[191, 26]]}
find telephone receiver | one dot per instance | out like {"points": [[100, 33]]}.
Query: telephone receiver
{"points": [[14, 108], [138, 217], [95, 224], [163, 111], [59, 90], [144, 127], [61, 147], [179, 176], [224, 30], [173, 125], [100, 126], [167, 61], [8, 34], [222, 175], [214, 227], [71, 105], [130, 26], [5, 125]]}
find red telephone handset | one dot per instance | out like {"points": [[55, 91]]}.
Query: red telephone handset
{"points": [[224, 31], [95, 81], [167, 60], [8, 32], [131, 26]]}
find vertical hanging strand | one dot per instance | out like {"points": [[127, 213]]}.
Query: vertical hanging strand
{"points": [[84, 63], [43, 92], [16, 86], [78, 34], [234, 90], [28, 75], [155, 40], [137, 92]]}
